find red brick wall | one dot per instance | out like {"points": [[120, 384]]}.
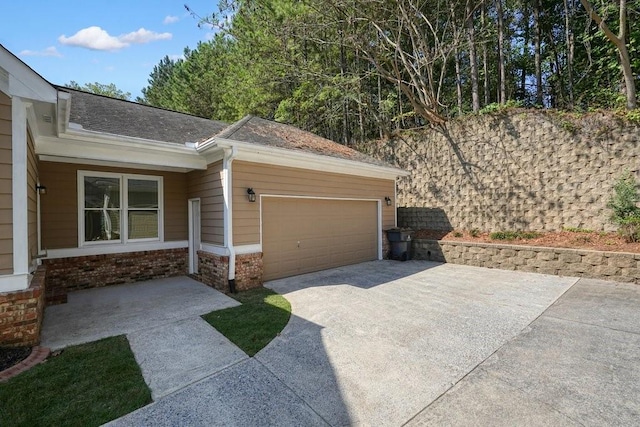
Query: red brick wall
{"points": [[71, 274], [214, 271], [248, 271], [21, 313]]}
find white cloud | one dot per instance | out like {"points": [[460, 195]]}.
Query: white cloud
{"points": [[169, 19], [143, 36], [110, 68], [50, 51], [95, 38], [176, 57]]}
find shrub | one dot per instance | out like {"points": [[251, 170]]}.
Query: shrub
{"points": [[512, 235], [577, 230], [475, 232], [457, 234], [624, 204]]}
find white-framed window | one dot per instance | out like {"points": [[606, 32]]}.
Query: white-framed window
{"points": [[119, 208]]}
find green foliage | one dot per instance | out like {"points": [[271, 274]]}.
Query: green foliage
{"points": [[320, 64], [109, 90], [457, 234], [513, 235], [577, 230], [474, 232], [498, 108], [251, 326], [624, 204], [86, 385]]}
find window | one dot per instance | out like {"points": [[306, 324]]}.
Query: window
{"points": [[119, 208]]}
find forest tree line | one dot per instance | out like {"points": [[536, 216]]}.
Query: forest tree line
{"points": [[352, 70]]}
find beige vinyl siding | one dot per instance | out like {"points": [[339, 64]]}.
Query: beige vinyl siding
{"points": [[6, 201], [278, 180], [32, 202], [59, 207], [207, 185]]}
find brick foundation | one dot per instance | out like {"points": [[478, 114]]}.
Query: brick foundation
{"points": [[21, 313], [214, 271], [618, 266], [248, 271], [71, 274]]}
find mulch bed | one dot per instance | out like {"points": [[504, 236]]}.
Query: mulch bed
{"points": [[10, 356], [591, 240]]}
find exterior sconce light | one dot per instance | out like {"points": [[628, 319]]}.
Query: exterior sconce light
{"points": [[387, 199], [41, 189], [251, 194]]}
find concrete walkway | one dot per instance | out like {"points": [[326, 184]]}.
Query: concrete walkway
{"points": [[416, 343], [172, 344]]}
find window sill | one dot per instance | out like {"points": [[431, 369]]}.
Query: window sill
{"points": [[114, 248]]}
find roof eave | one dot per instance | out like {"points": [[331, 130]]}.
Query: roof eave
{"points": [[258, 153]]}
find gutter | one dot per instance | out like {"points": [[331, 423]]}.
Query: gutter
{"points": [[227, 191]]}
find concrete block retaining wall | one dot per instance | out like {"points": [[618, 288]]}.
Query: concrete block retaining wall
{"points": [[618, 266], [519, 169]]}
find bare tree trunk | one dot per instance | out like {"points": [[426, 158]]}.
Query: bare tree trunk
{"points": [[568, 35], [525, 50], [456, 56], [485, 60], [502, 98], [621, 44], [537, 50], [473, 60]]}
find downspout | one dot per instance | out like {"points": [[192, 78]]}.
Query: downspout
{"points": [[229, 155]]}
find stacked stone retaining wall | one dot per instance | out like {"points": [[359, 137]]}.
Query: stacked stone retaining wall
{"points": [[618, 266], [516, 170]]}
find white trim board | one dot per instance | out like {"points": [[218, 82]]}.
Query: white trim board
{"points": [[14, 282], [19, 187], [108, 249]]}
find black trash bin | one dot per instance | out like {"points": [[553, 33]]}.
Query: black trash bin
{"points": [[400, 241]]}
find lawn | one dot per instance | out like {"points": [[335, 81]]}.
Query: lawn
{"points": [[86, 385], [252, 325]]}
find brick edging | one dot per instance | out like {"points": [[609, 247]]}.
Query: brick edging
{"points": [[607, 265], [38, 355]]}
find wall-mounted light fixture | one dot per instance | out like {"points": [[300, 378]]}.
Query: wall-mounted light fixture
{"points": [[387, 199], [41, 189], [251, 194]]}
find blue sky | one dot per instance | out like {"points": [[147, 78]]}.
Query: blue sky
{"points": [[112, 41]]}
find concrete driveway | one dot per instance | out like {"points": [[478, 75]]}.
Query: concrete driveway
{"points": [[420, 343]]}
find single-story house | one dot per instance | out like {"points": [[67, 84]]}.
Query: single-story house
{"points": [[98, 191]]}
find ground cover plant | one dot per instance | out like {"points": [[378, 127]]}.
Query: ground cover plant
{"points": [[252, 325], [85, 385], [624, 204], [513, 235]]}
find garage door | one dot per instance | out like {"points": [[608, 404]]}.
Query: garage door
{"points": [[304, 235]]}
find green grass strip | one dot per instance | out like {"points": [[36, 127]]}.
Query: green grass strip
{"points": [[252, 325], [86, 385]]}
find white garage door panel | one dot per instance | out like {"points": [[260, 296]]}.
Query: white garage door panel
{"points": [[304, 235]]}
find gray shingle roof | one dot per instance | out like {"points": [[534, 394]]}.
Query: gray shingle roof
{"points": [[115, 116], [118, 117], [265, 132]]}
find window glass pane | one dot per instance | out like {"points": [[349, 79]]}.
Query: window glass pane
{"points": [[143, 224], [101, 192], [101, 225], [143, 194]]}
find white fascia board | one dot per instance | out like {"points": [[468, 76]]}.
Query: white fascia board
{"points": [[120, 152], [303, 160], [24, 82], [127, 141], [113, 164], [63, 112]]}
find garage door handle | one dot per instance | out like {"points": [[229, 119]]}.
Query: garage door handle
{"points": [[298, 243]]}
